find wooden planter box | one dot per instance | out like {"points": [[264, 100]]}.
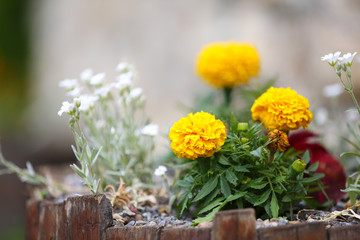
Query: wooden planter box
{"points": [[90, 218]]}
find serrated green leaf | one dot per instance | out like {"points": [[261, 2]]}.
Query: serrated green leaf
{"points": [[258, 186], [235, 196], [216, 203], [313, 167], [251, 197], [274, 206], [209, 217], [231, 177], [241, 168], [263, 197], [206, 189], [223, 160], [225, 188]]}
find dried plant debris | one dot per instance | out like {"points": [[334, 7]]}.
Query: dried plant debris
{"points": [[347, 216], [119, 197]]}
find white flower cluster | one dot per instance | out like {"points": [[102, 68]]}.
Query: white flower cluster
{"points": [[333, 58], [112, 115]]}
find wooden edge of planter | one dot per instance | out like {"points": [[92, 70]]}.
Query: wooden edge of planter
{"points": [[133, 232], [298, 231], [32, 219], [83, 217], [345, 232], [157, 233], [234, 224]]}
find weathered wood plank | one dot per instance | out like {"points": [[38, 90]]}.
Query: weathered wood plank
{"points": [[301, 231], [132, 233], [186, 233], [87, 217], [51, 221], [32, 219], [234, 225], [346, 232]]}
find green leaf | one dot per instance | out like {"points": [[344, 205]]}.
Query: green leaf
{"points": [[313, 167], [306, 157], [78, 171], [223, 160], [235, 196], [225, 188], [94, 156], [274, 206], [349, 153], [206, 189], [233, 123], [286, 198], [231, 177], [216, 203], [257, 152], [241, 168], [263, 197], [314, 178], [258, 186], [209, 217], [251, 197]]}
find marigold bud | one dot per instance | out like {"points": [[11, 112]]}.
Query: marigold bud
{"points": [[297, 167], [243, 126]]}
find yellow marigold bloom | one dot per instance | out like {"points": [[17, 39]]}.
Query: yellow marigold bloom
{"points": [[197, 135], [227, 64], [282, 109]]}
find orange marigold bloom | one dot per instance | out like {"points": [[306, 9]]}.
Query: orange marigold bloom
{"points": [[282, 109], [279, 140], [227, 64], [197, 135]]}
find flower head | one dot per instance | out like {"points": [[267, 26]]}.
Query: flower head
{"points": [[197, 135], [66, 108], [333, 90], [331, 58], [282, 109], [227, 64], [68, 84], [150, 129], [347, 58], [87, 102], [86, 75], [278, 140], [161, 170], [97, 79]]}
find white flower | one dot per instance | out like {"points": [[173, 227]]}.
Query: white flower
{"points": [[135, 93], [66, 108], [150, 130], [123, 66], [97, 79], [161, 170], [86, 75], [351, 114], [87, 102], [347, 58], [331, 58], [104, 91], [68, 84], [125, 76], [321, 116], [75, 92], [122, 84], [333, 90]]}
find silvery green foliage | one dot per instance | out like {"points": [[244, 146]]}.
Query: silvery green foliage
{"points": [[113, 136]]}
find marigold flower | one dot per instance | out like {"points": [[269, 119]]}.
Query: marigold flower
{"points": [[227, 64], [282, 109], [197, 135], [279, 140]]}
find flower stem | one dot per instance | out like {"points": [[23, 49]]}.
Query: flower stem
{"points": [[227, 94]]}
